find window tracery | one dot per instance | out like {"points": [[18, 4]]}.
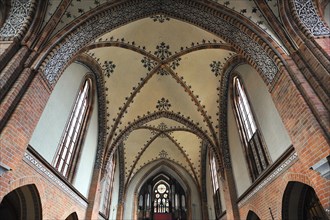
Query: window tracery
{"points": [[162, 196]]}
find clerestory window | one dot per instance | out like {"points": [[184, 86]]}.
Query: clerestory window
{"points": [[69, 148], [215, 184], [107, 185], [250, 134]]}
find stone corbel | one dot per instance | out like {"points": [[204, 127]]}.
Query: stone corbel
{"points": [[323, 167]]}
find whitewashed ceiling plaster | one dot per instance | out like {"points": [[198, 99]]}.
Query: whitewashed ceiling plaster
{"points": [[161, 64], [246, 8]]}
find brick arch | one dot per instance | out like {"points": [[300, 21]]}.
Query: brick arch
{"points": [[34, 190], [258, 51], [251, 210], [28, 180], [72, 210], [153, 116], [300, 17], [290, 181], [290, 177], [11, 29], [101, 98], [223, 103], [169, 165]]}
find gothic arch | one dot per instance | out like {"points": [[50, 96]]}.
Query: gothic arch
{"points": [[301, 202], [72, 216], [22, 203], [155, 115], [167, 163], [308, 19], [18, 19], [97, 73], [170, 168], [261, 55], [223, 102], [252, 216]]}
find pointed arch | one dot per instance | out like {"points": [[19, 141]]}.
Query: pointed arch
{"points": [[22, 203], [72, 216], [70, 145], [301, 202], [255, 149], [155, 115], [252, 216], [170, 168], [262, 55]]}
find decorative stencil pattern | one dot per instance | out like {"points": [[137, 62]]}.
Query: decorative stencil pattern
{"points": [[148, 63], [248, 9], [232, 33], [90, 31], [162, 51], [160, 18], [163, 104], [216, 67], [18, 17], [39, 167], [60, 56], [285, 165], [108, 67], [163, 154], [308, 16], [162, 127], [174, 64]]}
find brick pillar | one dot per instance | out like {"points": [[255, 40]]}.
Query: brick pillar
{"points": [[120, 211], [19, 127], [230, 194], [205, 211], [307, 136], [94, 195]]}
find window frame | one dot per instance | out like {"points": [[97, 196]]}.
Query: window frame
{"points": [[256, 136], [215, 185], [77, 145], [108, 180]]}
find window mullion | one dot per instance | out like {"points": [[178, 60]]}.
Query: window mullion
{"points": [[68, 146]]}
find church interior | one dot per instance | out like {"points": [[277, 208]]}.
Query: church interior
{"points": [[164, 109]]}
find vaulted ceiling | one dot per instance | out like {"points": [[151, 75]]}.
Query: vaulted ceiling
{"points": [[160, 64], [161, 80]]}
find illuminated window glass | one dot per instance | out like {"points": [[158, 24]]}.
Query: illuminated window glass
{"points": [[107, 185], [254, 149], [215, 184], [69, 146]]}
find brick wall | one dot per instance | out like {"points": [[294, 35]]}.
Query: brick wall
{"points": [[309, 142], [13, 143]]}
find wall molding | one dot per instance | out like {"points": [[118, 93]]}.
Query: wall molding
{"points": [[64, 186], [282, 164]]}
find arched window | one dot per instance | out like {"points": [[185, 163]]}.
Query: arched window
{"points": [[251, 137], [107, 185], [161, 197], [69, 148], [161, 200], [216, 186]]}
